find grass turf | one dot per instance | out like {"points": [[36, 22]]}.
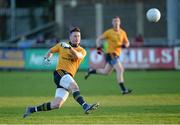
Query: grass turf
{"points": [[155, 98]]}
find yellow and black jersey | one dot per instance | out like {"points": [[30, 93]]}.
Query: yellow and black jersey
{"points": [[115, 40], [66, 61]]}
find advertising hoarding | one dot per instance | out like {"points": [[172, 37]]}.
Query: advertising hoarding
{"points": [[140, 58], [11, 59], [34, 60], [177, 57]]}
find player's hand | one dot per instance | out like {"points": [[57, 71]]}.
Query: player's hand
{"points": [[46, 61], [65, 45], [99, 50], [123, 46]]}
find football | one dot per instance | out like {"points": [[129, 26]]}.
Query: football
{"points": [[153, 15]]}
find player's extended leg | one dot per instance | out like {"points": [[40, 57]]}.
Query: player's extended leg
{"points": [[120, 77], [60, 98], [104, 71], [77, 96]]}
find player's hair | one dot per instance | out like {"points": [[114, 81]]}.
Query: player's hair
{"points": [[75, 29], [116, 17]]}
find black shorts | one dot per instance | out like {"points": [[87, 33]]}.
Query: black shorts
{"points": [[57, 77], [112, 58]]}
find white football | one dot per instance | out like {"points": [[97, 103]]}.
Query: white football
{"points": [[153, 15]]}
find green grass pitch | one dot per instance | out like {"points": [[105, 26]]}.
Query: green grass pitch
{"points": [[155, 98]]}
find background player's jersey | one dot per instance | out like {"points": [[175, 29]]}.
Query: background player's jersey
{"points": [[65, 61], [115, 40]]}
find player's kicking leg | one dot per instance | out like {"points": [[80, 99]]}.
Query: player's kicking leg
{"points": [[90, 108], [69, 83]]}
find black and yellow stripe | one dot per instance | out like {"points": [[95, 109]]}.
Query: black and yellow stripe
{"points": [[78, 97], [44, 107], [62, 72]]}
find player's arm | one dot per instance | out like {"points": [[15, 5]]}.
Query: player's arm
{"points": [[99, 41], [50, 52], [126, 44], [48, 55], [126, 41]]}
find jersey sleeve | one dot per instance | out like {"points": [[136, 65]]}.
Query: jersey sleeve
{"points": [[56, 48], [125, 38], [84, 53], [105, 34]]}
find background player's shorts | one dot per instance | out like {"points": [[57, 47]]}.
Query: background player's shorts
{"points": [[112, 59]]}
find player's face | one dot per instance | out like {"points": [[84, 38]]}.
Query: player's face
{"points": [[75, 38], [116, 22]]}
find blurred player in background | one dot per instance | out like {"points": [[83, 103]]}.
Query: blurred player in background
{"points": [[71, 55], [117, 39]]}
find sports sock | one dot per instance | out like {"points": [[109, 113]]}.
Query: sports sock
{"points": [[43, 107], [92, 71], [79, 99], [123, 88]]}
